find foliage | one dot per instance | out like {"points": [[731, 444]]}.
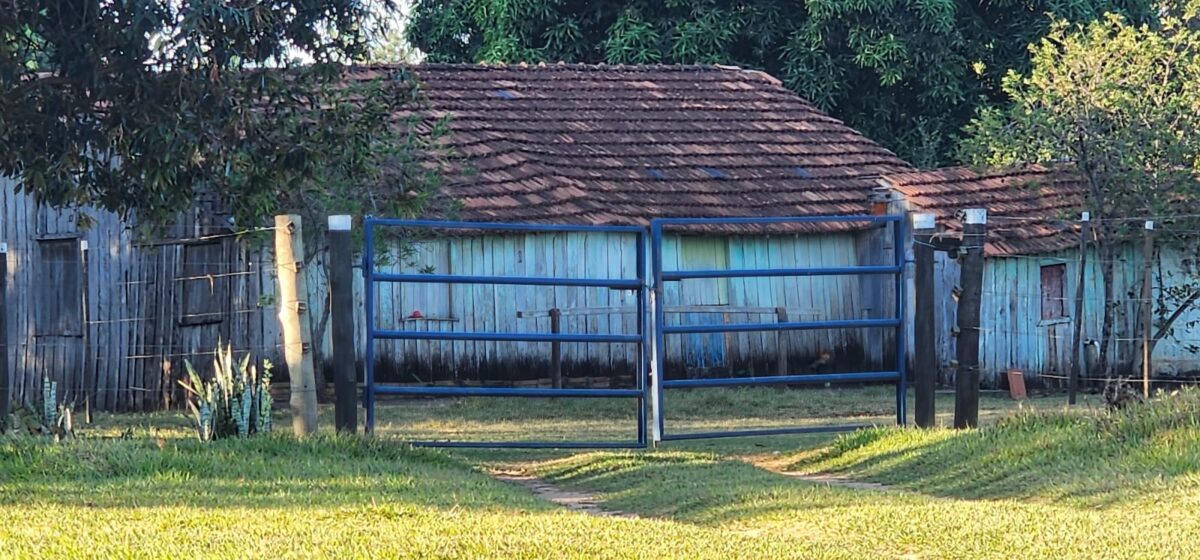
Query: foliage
{"points": [[137, 106], [48, 418], [1122, 102], [907, 73], [389, 43], [234, 402]]}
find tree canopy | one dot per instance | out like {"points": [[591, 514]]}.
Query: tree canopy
{"points": [[133, 106], [907, 73], [1120, 103]]}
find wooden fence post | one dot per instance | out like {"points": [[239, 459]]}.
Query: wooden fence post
{"points": [[341, 326], [293, 322], [5, 394], [1078, 363], [85, 338], [556, 349], [1147, 305], [782, 346], [966, 394], [924, 320]]}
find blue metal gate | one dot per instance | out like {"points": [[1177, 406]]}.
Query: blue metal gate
{"points": [[373, 333], [895, 323]]}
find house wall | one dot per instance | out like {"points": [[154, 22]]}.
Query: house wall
{"points": [[110, 324], [115, 323], [1016, 336]]}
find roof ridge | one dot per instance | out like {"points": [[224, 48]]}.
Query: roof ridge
{"points": [[757, 74]]}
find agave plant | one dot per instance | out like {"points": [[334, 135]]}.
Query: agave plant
{"points": [[47, 418], [49, 402], [235, 401]]}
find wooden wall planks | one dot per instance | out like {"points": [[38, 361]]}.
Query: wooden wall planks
{"points": [[1015, 336]]}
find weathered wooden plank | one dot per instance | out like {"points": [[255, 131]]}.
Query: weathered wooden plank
{"points": [[618, 355], [486, 307], [597, 266]]}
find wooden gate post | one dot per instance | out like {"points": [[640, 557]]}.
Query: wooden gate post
{"points": [[1147, 305], [5, 395], [293, 322], [924, 320], [556, 379], [1078, 362], [782, 344], [341, 325], [966, 382]]}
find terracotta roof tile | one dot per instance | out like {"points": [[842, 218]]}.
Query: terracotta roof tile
{"points": [[622, 144], [1031, 210]]}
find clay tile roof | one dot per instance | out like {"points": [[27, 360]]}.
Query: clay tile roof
{"points": [[596, 144], [1031, 210]]}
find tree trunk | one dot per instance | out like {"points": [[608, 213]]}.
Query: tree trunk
{"points": [[1107, 267]]}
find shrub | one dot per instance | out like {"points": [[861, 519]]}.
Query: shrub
{"points": [[235, 402]]}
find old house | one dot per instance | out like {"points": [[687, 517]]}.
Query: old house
{"points": [[111, 316], [1032, 271]]}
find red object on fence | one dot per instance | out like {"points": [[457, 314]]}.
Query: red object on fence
{"points": [[416, 314], [1016, 384]]}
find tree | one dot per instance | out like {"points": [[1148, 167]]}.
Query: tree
{"points": [[135, 106], [1121, 102], [389, 42], [907, 73]]}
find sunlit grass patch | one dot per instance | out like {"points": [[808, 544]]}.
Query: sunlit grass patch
{"points": [[275, 497]]}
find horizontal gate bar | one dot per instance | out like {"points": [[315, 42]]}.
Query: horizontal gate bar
{"points": [[435, 224], [672, 275], [765, 432], [529, 444], [753, 327], [505, 392], [617, 283], [814, 378], [502, 337], [791, 220]]}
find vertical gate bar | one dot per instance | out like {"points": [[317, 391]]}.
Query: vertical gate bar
{"points": [[369, 315], [642, 368], [657, 302], [901, 257]]}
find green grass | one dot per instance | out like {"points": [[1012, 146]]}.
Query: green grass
{"points": [[1039, 482], [279, 498], [1143, 453]]}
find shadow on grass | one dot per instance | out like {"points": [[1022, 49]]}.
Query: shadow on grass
{"points": [[694, 487], [1093, 460], [268, 472], [1081, 462]]}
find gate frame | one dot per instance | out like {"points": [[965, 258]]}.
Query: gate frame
{"points": [[897, 323], [642, 338]]}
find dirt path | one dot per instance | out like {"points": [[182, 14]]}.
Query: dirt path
{"points": [[833, 480], [588, 503], [575, 501], [779, 466]]}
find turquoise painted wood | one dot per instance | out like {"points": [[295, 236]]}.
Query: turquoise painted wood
{"points": [[1016, 335], [597, 310]]}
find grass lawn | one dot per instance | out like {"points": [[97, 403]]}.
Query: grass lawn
{"points": [[1038, 483]]}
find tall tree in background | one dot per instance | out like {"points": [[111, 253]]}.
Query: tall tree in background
{"points": [[1122, 103], [907, 73]]}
